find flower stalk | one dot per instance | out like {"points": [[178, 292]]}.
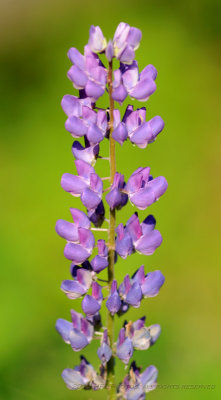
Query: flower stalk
{"points": [[111, 245], [91, 125]]}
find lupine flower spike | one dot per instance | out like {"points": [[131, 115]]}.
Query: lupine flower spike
{"points": [[89, 125]]}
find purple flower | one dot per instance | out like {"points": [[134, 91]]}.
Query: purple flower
{"points": [[115, 198], [113, 302], [135, 384], [120, 131], [77, 333], [92, 304], [92, 124], [130, 292], [100, 261], [88, 185], [79, 285], [124, 347], [109, 52], [145, 238], [87, 154], [128, 81], [139, 131], [151, 283], [126, 41], [124, 242], [104, 352], [83, 375], [97, 41], [80, 252], [88, 72], [143, 190], [69, 230], [141, 336], [73, 106]]}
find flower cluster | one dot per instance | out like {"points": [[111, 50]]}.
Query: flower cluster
{"points": [[90, 125]]}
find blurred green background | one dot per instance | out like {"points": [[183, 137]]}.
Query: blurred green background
{"points": [[182, 39]]}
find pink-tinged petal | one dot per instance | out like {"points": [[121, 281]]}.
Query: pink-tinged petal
{"points": [[143, 89], [89, 305], [76, 253], [80, 218], [149, 72], [134, 37], [73, 184], [139, 275], [97, 292], [134, 228], [119, 94], [94, 134], [84, 277], [134, 183], [86, 238], [152, 283], [87, 154], [120, 133], [77, 76], [148, 243], [84, 169], [90, 199], [67, 230], [109, 52], [75, 126], [102, 248], [71, 105], [76, 58], [87, 329], [76, 319], [96, 183], [127, 55], [94, 90]]}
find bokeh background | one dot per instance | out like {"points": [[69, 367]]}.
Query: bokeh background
{"points": [[182, 39]]}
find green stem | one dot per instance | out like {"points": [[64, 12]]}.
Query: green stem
{"points": [[111, 246]]}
